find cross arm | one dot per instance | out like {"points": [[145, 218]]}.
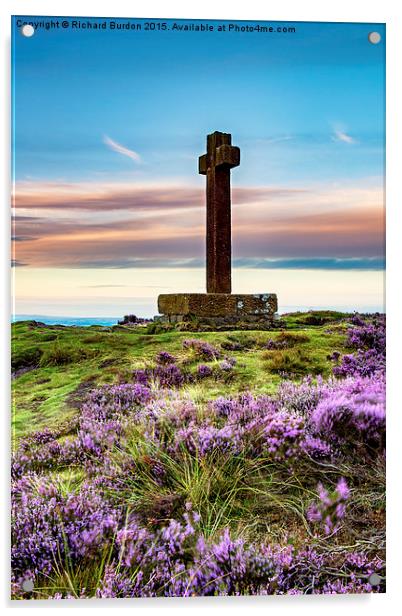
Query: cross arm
{"points": [[220, 153], [202, 164], [227, 155]]}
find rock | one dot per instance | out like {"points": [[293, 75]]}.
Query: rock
{"points": [[219, 311], [218, 305]]}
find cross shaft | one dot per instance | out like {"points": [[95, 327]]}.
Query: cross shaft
{"points": [[216, 164]]}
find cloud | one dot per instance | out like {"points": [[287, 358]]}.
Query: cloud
{"points": [[341, 135], [117, 147], [335, 235], [23, 238], [301, 263], [321, 263], [278, 139], [17, 263], [84, 225], [147, 263], [103, 286], [133, 197], [15, 218]]}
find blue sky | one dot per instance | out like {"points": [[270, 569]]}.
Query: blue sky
{"points": [[160, 93], [120, 117]]}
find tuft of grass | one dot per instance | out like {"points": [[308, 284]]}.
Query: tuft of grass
{"points": [[98, 337], [67, 481], [60, 355], [293, 362], [157, 328], [66, 579], [292, 339], [26, 357], [226, 490], [313, 318], [215, 485]]}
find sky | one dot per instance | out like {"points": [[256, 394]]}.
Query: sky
{"points": [[108, 205]]}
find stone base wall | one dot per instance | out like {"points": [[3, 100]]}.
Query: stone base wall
{"points": [[219, 310], [188, 322]]}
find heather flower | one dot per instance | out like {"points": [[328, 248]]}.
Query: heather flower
{"points": [[273, 345], [301, 398], [277, 435], [226, 365], [141, 376], [369, 335], [163, 357], [174, 560], [357, 320], [342, 489], [362, 363], [166, 375], [204, 371], [208, 439], [101, 424], [223, 407], [316, 447], [353, 412], [368, 338], [118, 584], [330, 508], [202, 349], [169, 376], [49, 527]]}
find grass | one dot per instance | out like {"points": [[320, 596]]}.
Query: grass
{"points": [[295, 362], [216, 486], [252, 497], [56, 364]]}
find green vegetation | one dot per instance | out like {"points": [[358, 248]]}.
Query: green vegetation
{"points": [[55, 365], [176, 477]]}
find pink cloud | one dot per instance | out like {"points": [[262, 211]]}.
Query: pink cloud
{"points": [[168, 222]]}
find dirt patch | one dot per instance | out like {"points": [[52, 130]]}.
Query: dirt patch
{"points": [[108, 362], [76, 398], [16, 373]]}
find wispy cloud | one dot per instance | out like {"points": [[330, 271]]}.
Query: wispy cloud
{"points": [[117, 147], [322, 263], [276, 139], [22, 238], [118, 226], [103, 286], [17, 263], [342, 135], [132, 197]]}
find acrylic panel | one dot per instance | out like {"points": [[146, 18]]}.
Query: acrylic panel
{"points": [[198, 336]]}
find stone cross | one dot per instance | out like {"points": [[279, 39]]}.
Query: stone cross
{"points": [[216, 164]]}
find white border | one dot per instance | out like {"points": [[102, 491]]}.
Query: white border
{"points": [[388, 11]]}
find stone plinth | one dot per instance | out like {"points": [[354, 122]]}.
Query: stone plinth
{"points": [[219, 309]]}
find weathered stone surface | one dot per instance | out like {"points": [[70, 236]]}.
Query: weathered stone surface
{"points": [[216, 164], [218, 305], [200, 324], [227, 155], [218, 308]]}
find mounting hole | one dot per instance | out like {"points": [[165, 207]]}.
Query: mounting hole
{"points": [[374, 579], [27, 585], [374, 38], [27, 30]]}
